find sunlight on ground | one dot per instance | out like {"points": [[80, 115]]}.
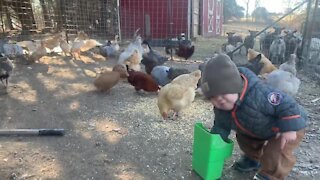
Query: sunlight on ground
{"points": [[126, 172], [53, 60], [74, 105], [65, 73], [41, 162], [49, 84], [112, 131], [24, 92], [74, 89]]}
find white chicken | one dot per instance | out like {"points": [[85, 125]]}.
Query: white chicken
{"points": [[290, 65], [30, 46], [284, 81], [66, 48], [76, 48], [40, 51], [136, 45]]}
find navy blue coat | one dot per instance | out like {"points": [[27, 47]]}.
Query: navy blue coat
{"points": [[260, 112]]}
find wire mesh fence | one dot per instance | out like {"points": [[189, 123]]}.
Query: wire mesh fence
{"points": [[21, 18], [157, 19]]}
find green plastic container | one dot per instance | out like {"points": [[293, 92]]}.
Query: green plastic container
{"points": [[209, 153]]}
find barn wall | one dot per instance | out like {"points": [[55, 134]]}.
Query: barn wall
{"points": [[211, 18], [134, 14]]}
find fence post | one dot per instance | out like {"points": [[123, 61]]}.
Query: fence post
{"points": [[305, 36]]}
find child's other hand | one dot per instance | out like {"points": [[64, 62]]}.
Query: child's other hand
{"points": [[286, 137]]}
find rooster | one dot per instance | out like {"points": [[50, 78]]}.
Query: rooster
{"points": [[185, 49], [6, 67]]}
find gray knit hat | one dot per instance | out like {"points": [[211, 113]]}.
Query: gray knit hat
{"points": [[220, 76]]}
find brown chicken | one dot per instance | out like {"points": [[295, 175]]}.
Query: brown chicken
{"points": [[107, 80], [267, 65], [178, 94], [142, 81], [121, 69], [53, 41]]}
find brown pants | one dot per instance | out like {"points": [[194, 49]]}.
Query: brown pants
{"points": [[275, 163]]}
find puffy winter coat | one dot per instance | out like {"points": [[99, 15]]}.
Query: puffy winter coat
{"points": [[260, 112]]}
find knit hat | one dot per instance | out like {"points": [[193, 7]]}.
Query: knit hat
{"points": [[220, 76]]}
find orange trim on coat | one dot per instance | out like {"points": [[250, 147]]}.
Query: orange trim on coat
{"points": [[244, 87], [235, 108], [290, 117]]}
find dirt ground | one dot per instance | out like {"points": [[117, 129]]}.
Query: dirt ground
{"points": [[119, 135]]}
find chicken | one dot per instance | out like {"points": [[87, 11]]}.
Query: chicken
{"points": [[111, 48], [30, 46], [89, 44], [185, 50], [152, 58], [178, 94], [6, 67], [267, 65], [82, 36], [175, 72], [284, 81], [142, 81], [255, 65], [12, 50], [121, 69], [82, 43], [66, 48], [53, 41], [133, 61], [133, 47], [290, 65], [40, 51], [107, 80], [189, 80], [160, 75], [76, 48]]}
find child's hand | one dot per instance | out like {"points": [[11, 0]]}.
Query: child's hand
{"points": [[286, 137]]}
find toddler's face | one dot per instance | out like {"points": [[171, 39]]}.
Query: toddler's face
{"points": [[225, 102]]}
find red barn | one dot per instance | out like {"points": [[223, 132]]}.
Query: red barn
{"points": [[162, 19]]}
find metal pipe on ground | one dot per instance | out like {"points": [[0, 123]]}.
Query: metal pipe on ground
{"points": [[32, 132]]}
